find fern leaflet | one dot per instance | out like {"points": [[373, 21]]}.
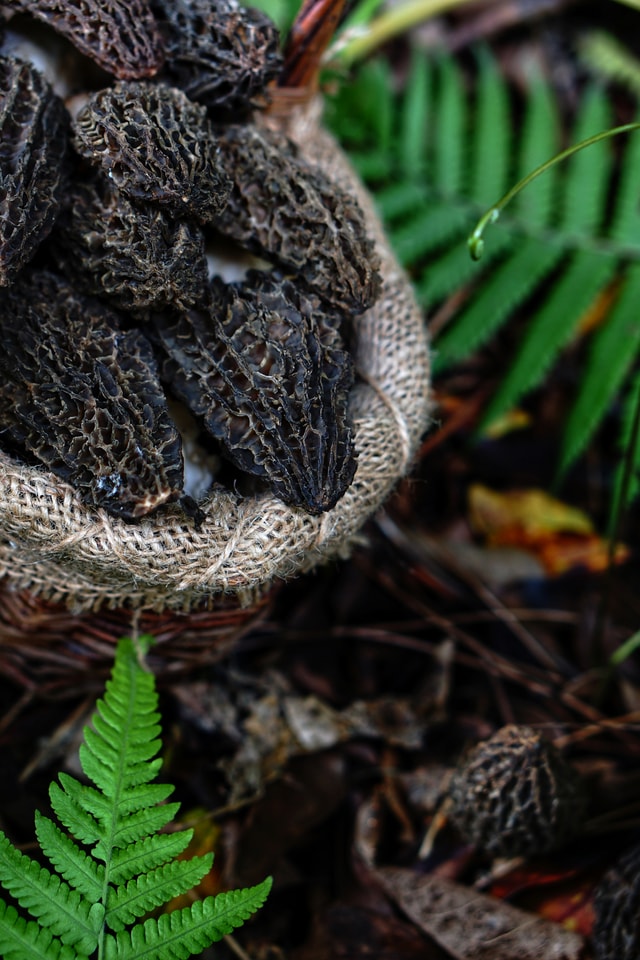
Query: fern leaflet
{"points": [[555, 253], [112, 866]]}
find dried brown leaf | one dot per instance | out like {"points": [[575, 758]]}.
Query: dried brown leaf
{"points": [[472, 926]]}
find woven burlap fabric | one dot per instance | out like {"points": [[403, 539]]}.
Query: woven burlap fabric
{"points": [[58, 547]]}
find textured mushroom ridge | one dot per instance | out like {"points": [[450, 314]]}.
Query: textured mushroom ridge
{"points": [[33, 149], [268, 373], [84, 398], [292, 214], [616, 932], [156, 145], [515, 795], [121, 36], [221, 54], [134, 255]]}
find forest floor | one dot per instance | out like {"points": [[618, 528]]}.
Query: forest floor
{"points": [[320, 746]]}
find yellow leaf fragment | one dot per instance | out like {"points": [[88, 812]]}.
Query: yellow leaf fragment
{"points": [[560, 536]]}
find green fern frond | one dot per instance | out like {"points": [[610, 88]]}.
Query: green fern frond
{"points": [[184, 932], [145, 855], [414, 119], [62, 910], [551, 328], [112, 866], [586, 175], [539, 139], [71, 862], [448, 165], [612, 352], [22, 939], [489, 163], [558, 249], [144, 893], [626, 485]]}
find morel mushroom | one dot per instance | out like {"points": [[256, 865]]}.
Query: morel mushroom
{"points": [[515, 795], [132, 254], [156, 145], [33, 149], [220, 53], [121, 36], [83, 398], [616, 932], [291, 213], [271, 380]]}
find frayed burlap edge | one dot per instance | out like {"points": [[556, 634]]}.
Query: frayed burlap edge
{"points": [[63, 550]]}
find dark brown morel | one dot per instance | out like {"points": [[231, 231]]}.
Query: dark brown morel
{"points": [[83, 398], [121, 36], [221, 54], [156, 146], [271, 384], [291, 213], [616, 931], [515, 795], [33, 148], [132, 254]]}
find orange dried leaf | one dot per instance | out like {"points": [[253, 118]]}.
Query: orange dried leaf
{"points": [[522, 514], [559, 535], [515, 419]]}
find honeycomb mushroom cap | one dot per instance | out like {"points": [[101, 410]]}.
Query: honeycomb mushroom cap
{"points": [[220, 53], [33, 170], [515, 795], [121, 36], [84, 398], [616, 932], [156, 146]]}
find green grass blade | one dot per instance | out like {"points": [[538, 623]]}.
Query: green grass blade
{"points": [[613, 350], [552, 326]]}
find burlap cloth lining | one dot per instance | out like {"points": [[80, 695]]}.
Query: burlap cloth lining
{"points": [[58, 547]]}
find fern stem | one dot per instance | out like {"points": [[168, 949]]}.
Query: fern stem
{"points": [[476, 242], [389, 25]]}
